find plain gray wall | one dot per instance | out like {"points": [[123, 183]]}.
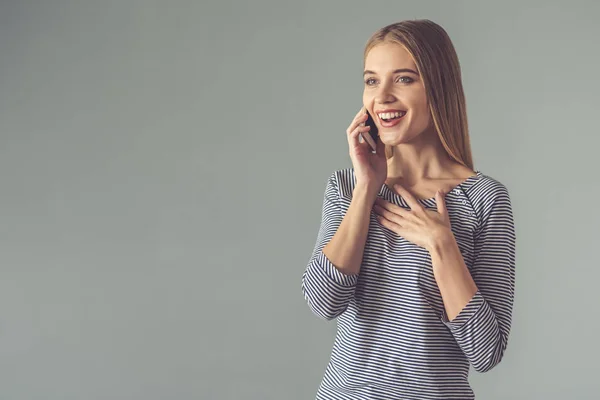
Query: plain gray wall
{"points": [[162, 167]]}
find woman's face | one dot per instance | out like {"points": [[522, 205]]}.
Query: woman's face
{"points": [[394, 94]]}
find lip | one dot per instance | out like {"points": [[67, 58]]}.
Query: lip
{"points": [[392, 123], [389, 110]]}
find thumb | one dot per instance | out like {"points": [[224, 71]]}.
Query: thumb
{"points": [[440, 197]]}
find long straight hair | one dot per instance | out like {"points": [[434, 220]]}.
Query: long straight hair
{"points": [[437, 63]]}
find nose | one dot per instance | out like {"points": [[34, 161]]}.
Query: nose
{"points": [[384, 94]]}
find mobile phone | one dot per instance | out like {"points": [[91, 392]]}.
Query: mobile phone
{"points": [[373, 131]]}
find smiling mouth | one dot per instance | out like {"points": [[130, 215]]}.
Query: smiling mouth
{"points": [[391, 116], [390, 119]]}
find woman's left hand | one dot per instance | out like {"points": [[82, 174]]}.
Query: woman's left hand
{"points": [[418, 225]]}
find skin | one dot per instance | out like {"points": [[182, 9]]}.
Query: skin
{"points": [[419, 157], [420, 168]]}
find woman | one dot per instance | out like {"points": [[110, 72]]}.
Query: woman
{"points": [[415, 255]]}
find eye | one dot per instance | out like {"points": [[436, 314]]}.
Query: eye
{"points": [[401, 79], [406, 79]]}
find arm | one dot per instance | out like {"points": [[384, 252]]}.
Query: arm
{"points": [[330, 278], [478, 304]]}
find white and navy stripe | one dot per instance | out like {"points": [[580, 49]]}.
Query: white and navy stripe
{"points": [[394, 340]]}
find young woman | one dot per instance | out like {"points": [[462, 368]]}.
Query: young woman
{"points": [[415, 255]]}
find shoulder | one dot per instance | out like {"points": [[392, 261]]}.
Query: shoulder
{"points": [[342, 181], [489, 198], [487, 189]]}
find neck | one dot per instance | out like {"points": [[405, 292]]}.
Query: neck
{"points": [[422, 158]]}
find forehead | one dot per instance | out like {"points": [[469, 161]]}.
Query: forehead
{"points": [[386, 57]]}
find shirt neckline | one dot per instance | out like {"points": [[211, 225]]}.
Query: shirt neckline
{"points": [[387, 191]]}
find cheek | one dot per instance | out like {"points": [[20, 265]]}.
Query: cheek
{"points": [[423, 113], [417, 100], [420, 120], [420, 109]]}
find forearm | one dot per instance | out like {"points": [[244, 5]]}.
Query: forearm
{"points": [[345, 249], [478, 300], [471, 320], [453, 278]]}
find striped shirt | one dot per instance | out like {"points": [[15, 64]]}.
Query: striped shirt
{"points": [[394, 340]]}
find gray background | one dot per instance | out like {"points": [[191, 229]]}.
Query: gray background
{"points": [[162, 167]]}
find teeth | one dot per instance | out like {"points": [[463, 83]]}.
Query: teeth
{"points": [[396, 114]]}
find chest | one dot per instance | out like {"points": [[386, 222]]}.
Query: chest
{"points": [[394, 269], [427, 189]]}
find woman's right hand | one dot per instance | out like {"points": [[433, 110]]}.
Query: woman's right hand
{"points": [[370, 169]]}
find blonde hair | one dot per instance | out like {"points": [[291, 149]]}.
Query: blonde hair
{"points": [[438, 65]]}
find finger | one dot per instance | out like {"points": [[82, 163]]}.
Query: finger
{"points": [[353, 137], [360, 115], [353, 126], [441, 203], [393, 208], [370, 140], [359, 140], [387, 214], [360, 112], [392, 226], [359, 120]]}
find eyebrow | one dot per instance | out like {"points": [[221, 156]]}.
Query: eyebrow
{"points": [[395, 71]]}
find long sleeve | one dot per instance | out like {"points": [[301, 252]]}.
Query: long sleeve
{"points": [[482, 328], [327, 290]]}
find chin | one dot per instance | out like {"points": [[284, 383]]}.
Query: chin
{"points": [[397, 138], [394, 139]]}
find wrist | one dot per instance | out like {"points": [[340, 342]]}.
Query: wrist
{"points": [[440, 241], [367, 190], [364, 197]]}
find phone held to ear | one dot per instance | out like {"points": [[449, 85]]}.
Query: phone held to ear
{"points": [[373, 132]]}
